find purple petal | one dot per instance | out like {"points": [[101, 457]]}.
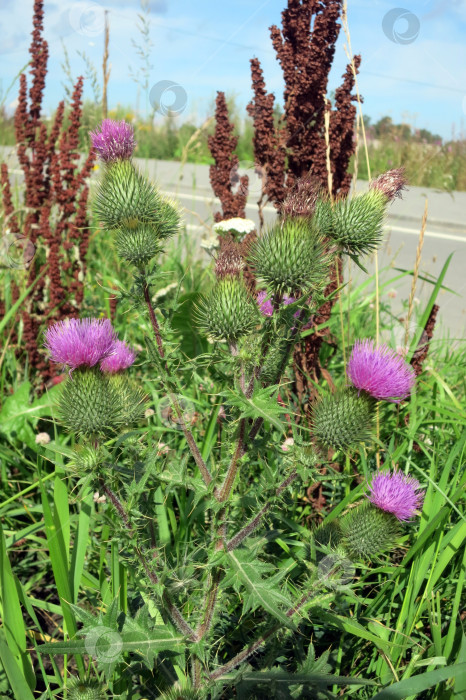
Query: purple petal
{"points": [[121, 357], [380, 371], [396, 493], [75, 342], [114, 141]]}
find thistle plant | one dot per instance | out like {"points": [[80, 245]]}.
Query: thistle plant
{"points": [[224, 557]]}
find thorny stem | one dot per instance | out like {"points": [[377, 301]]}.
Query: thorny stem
{"points": [[175, 614], [153, 320], [206, 475], [246, 653], [225, 489], [251, 526]]}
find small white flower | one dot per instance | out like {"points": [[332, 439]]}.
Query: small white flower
{"points": [[148, 412], [42, 439], [210, 243], [289, 442], [96, 496], [237, 224], [163, 292], [162, 449], [392, 294]]}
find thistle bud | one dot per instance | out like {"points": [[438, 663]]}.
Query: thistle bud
{"points": [[93, 402], [229, 311], [343, 420], [125, 198], [85, 690], [368, 531], [137, 245], [291, 258], [357, 223]]}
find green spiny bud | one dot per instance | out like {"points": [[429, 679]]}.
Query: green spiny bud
{"points": [[167, 219], [93, 402], [290, 257], [344, 419], [357, 222], [126, 198], [131, 398], [323, 217], [86, 459], [182, 692], [137, 245], [368, 531], [229, 311], [85, 690], [329, 535]]}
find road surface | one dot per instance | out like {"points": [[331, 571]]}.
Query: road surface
{"points": [[445, 234]]}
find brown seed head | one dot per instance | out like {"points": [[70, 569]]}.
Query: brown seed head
{"points": [[302, 199], [390, 183], [229, 261]]}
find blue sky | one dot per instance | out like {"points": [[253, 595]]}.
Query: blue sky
{"points": [[413, 55]]}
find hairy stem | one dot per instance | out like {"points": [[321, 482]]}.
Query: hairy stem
{"points": [[254, 523], [226, 488], [153, 320], [176, 616]]}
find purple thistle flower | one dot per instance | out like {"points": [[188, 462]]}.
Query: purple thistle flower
{"points": [[266, 306], [120, 358], [114, 141], [75, 342], [380, 371], [396, 493]]}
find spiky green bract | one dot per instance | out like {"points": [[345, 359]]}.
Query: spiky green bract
{"points": [[137, 245], [290, 257], [357, 223], [126, 198], [344, 419], [323, 217], [85, 690], [368, 531], [329, 535], [229, 311], [94, 403], [183, 692]]}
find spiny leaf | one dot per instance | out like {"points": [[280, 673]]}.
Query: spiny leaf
{"points": [[262, 404], [260, 592]]}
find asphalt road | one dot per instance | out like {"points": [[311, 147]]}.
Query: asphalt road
{"points": [[445, 234]]}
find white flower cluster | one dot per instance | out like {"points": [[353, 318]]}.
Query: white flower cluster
{"points": [[241, 226]]}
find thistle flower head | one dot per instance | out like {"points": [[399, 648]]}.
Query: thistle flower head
{"points": [[113, 140], [395, 493], [75, 342], [121, 357], [390, 183], [302, 199], [380, 371]]}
